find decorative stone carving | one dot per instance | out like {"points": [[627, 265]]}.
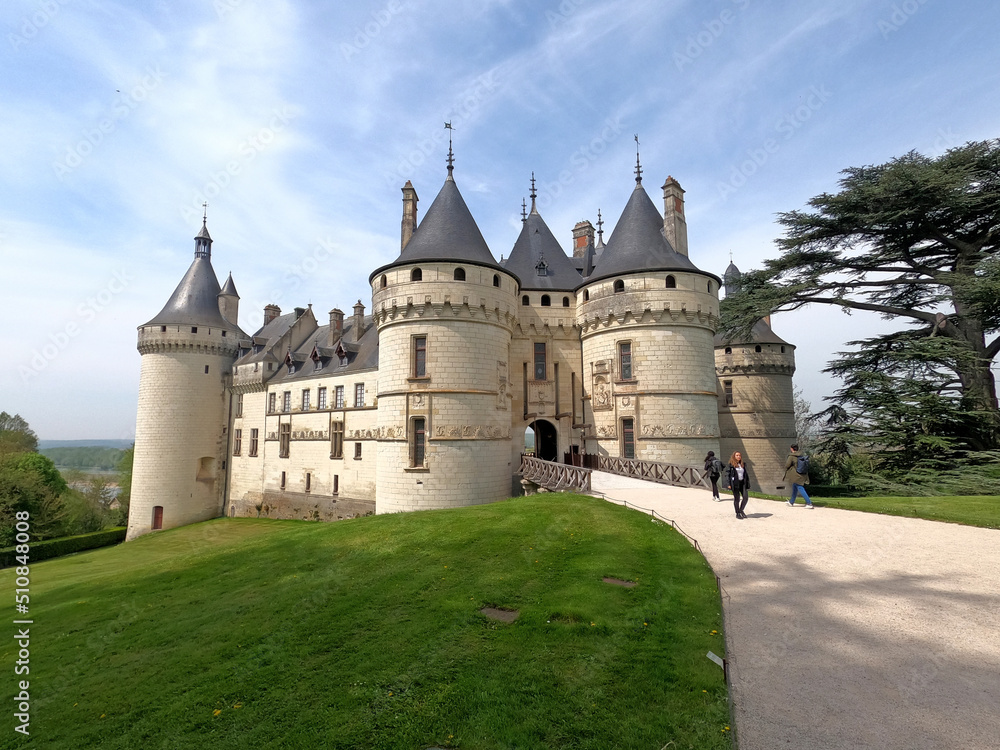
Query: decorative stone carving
{"points": [[472, 432], [501, 385], [602, 394]]}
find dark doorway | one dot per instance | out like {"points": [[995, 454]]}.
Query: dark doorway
{"points": [[157, 517], [545, 440]]}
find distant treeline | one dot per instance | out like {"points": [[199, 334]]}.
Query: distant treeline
{"points": [[89, 457]]}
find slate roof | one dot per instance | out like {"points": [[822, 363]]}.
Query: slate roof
{"points": [[761, 333], [195, 301], [638, 244], [361, 355], [230, 287], [447, 233], [537, 242]]}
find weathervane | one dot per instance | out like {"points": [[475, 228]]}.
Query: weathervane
{"points": [[451, 156], [638, 167], [204, 216]]}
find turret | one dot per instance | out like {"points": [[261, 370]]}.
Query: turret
{"points": [[188, 350], [229, 301]]}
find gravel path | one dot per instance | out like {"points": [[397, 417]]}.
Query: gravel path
{"points": [[847, 629]]}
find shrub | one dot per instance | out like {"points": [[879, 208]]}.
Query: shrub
{"points": [[64, 546]]}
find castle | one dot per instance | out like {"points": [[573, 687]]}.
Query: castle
{"points": [[424, 402]]}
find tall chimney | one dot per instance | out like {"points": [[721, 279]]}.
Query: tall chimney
{"points": [[359, 321], [409, 223], [583, 235], [336, 326], [674, 223], [270, 313]]}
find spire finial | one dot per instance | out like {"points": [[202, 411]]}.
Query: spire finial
{"points": [[600, 226], [204, 215], [524, 211], [638, 166], [451, 155], [532, 194], [730, 256]]}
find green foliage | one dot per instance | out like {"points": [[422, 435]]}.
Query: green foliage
{"points": [[368, 633], [84, 457], [15, 435], [915, 240], [63, 546], [30, 482], [124, 468]]}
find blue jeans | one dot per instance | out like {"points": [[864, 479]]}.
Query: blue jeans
{"points": [[798, 489]]}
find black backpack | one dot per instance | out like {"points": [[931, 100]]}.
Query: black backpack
{"points": [[802, 465]]}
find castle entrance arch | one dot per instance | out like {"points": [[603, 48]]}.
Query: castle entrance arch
{"points": [[545, 440]]}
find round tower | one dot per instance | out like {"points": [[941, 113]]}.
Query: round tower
{"points": [[444, 314], [180, 437], [648, 316], [756, 402]]}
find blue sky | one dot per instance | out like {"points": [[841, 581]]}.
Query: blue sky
{"points": [[299, 121]]}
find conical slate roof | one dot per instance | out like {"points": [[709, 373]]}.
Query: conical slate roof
{"points": [[447, 233], [761, 333], [638, 244], [536, 243], [195, 301], [229, 288]]}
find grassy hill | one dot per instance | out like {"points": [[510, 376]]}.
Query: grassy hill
{"points": [[242, 633]]}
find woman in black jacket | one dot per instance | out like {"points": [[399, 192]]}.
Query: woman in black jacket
{"points": [[739, 483]]}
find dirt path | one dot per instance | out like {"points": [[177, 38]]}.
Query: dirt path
{"points": [[848, 630]]}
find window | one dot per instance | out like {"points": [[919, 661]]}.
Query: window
{"points": [[157, 517], [163, 329], [419, 356], [317, 364], [541, 268], [619, 286], [417, 451], [540, 360], [253, 441], [239, 405], [309, 478], [710, 287], [586, 295], [357, 451], [727, 389], [359, 394], [671, 282], [757, 348], [336, 483], [237, 442], [729, 350], [336, 440], [546, 301], [525, 301], [305, 400], [565, 301], [321, 398], [284, 439], [271, 397], [625, 360], [206, 369], [416, 275], [628, 438], [496, 280], [459, 274], [194, 329], [338, 395], [282, 480], [286, 401], [782, 350], [385, 282]]}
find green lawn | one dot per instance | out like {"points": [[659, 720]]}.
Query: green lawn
{"points": [[241, 633], [971, 510]]}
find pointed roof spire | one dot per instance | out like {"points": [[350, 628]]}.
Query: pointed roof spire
{"points": [[524, 211], [229, 288], [532, 194], [600, 229], [203, 240], [451, 155], [638, 166]]}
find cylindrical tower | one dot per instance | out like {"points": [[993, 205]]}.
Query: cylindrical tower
{"points": [[180, 437], [444, 316], [648, 316]]}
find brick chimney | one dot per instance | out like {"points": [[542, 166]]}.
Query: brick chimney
{"points": [[583, 235], [409, 223], [270, 313], [359, 321], [336, 326], [674, 223]]}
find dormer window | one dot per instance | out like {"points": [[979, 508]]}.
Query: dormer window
{"points": [[541, 268]]}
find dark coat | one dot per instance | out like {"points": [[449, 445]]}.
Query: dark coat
{"points": [[791, 475], [731, 479]]}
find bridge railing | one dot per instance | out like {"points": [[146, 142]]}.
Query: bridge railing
{"points": [[656, 471], [554, 476]]}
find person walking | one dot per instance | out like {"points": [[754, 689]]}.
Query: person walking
{"points": [[739, 483], [714, 468], [797, 474]]}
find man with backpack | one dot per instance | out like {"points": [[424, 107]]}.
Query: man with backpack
{"points": [[797, 474]]}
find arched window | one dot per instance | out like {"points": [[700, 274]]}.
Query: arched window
{"points": [[525, 301], [757, 348], [416, 275], [546, 301], [619, 286], [729, 350], [384, 281], [496, 280], [565, 301], [459, 274], [671, 282], [586, 295]]}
